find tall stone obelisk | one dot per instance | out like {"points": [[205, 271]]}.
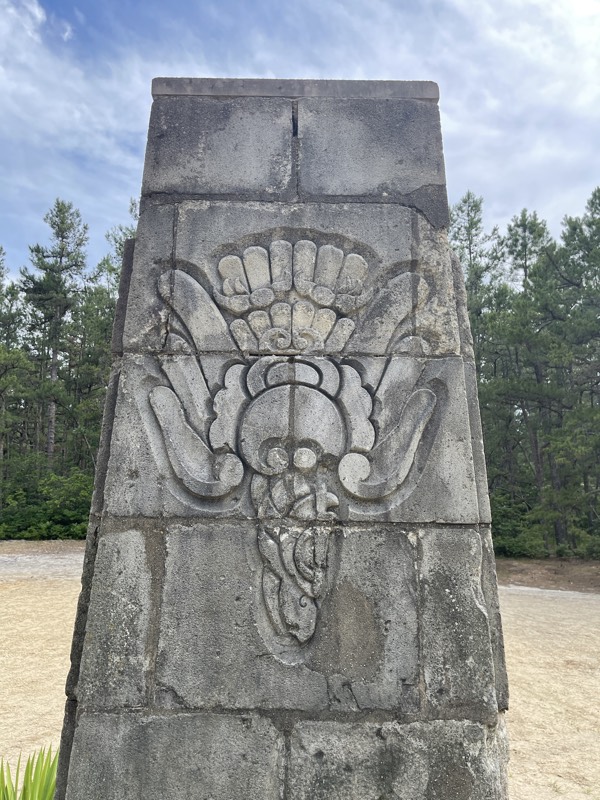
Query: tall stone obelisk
{"points": [[289, 590]]}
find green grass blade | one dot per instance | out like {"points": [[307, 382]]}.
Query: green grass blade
{"points": [[49, 784], [39, 777], [7, 786], [26, 787]]}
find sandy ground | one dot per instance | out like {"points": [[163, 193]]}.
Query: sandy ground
{"points": [[552, 644]]}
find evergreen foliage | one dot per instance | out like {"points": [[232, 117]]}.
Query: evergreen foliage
{"points": [[55, 333], [534, 306]]}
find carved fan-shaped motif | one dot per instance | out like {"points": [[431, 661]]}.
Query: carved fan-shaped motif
{"points": [[292, 297]]}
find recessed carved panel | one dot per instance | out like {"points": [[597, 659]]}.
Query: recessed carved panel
{"points": [[294, 420]]}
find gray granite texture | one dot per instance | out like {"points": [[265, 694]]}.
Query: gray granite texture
{"points": [[398, 146], [289, 588], [191, 756], [236, 146], [141, 481], [421, 761]]}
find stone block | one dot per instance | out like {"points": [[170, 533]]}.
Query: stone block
{"points": [[191, 756], [295, 87], [218, 646], [161, 463], [114, 659], [140, 479], [489, 585], [456, 646], [237, 146], [373, 150], [145, 325], [419, 761], [440, 486], [407, 283], [390, 291]]}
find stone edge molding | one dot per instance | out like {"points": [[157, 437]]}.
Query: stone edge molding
{"points": [[269, 87]]}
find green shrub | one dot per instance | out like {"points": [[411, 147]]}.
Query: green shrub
{"points": [[592, 549], [39, 778], [56, 507]]}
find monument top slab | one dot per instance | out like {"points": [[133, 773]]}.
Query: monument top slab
{"points": [[296, 88]]}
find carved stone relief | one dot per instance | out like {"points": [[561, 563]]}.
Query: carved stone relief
{"points": [[293, 418]]}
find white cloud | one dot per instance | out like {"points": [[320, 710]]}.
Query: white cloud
{"points": [[519, 83], [67, 32]]}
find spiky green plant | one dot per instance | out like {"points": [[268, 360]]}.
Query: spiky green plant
{"points": [[39, 777]]}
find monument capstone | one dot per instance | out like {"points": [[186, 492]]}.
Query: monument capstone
{"points": [[289, 589]]}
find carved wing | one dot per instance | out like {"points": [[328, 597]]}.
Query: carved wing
{"points": [[195, 308], [403, 417], [201, 471], [185, 411], [388, 318]]}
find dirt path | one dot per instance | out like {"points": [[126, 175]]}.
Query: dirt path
{"points": [[552, 644], [553, 657]]}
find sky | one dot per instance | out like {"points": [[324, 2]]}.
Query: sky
{"points": [[519, 84]]}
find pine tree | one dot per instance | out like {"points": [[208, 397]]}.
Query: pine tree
{"points": [[51, 292]]}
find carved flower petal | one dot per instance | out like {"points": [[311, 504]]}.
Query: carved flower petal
{"points": [[231, 267], [329, 264]]}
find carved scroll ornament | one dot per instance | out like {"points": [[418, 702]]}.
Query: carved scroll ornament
{"points": [[292, 414]]}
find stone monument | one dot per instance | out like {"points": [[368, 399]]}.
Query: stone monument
{"points": [[289, 588]]}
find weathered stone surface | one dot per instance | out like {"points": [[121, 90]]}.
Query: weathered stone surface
{"points": [[489, 586], [483, 499], [383, 151], [114, 661], [191, 756], [220, 146], [162, 463], [457, 659], [460, 293], [293, 593], [408, 301], [438, 321], [421, 761], [440, 486], [218, 647], [124, 284], [145, 319], [296, 87], [140, 478]]}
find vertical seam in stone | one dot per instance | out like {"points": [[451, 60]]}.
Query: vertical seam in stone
{"points": [[295, 153], [414, 261], [172, 276], [156, 557]]}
